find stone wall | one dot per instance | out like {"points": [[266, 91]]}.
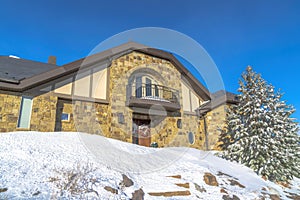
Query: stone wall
{"points": [[191, 123], [9, 112], [215, 123], [64, 106], [166, 133], [43, 113], [89, 117]]}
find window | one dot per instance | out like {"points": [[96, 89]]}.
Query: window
{"points": [[179, 123], [145, 86], [25, 112], [191, 138], [148, 87], [156, 90], [65, 117], [138, 86]]}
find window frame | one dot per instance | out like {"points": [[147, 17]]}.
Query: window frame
{"points": [[144, 86], [21, 112], [65, 120]]}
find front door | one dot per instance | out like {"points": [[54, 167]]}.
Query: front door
{"points": [[141, 134]]}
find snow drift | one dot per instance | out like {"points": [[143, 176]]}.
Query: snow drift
{"points": [[30, 161]]}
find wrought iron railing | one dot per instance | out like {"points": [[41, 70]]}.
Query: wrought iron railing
{"points": [[152, 92]]}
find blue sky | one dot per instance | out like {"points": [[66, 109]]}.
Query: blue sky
{"points": [[264, 34]]}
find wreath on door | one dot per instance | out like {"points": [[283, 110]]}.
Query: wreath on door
{"points": [[144, 131]]}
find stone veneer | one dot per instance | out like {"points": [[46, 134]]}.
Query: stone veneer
{"points": [[193, 123], [215, 123], [9, 111], [85, 116], [43, 113], [91, 117], [64, 106]]}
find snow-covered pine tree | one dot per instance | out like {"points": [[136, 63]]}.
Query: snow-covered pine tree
{"points": [[260, 132]]}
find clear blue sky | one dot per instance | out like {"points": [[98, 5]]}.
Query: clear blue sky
{"points": [[264, 34]]}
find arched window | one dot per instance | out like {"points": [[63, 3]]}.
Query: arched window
{"points": [[145, 86]]}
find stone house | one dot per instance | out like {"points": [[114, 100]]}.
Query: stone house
{"points": [[130, 92]]}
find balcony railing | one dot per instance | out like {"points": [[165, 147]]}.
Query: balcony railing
{"points": [[147, 94]]}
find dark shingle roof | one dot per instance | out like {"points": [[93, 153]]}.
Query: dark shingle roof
{"points": [[222, 93], [14, 69]]}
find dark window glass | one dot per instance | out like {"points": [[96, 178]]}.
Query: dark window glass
{"points": [[191, 138], [148, 87], [156, 91], [138, 86], [179, 123], [65, 117]]}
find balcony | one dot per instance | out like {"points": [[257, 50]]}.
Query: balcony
{"points": [[147, 95]]}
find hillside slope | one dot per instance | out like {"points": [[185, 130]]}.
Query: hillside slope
{"points": [[34, 165]]}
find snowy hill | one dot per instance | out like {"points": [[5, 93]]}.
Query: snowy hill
{"points": [[36, 165]]}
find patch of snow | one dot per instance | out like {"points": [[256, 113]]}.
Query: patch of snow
{"points": [[13, 56], [29, 159]]}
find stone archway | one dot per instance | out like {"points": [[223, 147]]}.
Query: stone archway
{"points": [[147, 72]]}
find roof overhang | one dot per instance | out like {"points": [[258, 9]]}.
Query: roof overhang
{"points": [[226, 99]]}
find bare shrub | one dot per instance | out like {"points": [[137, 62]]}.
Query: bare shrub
{"points": [[77, 182]]}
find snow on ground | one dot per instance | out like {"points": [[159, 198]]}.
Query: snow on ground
{"points": [[30, 159]]}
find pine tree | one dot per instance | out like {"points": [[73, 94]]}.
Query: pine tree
{"points": [[260, 132]]}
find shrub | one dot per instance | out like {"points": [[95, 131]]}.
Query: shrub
{"points": [[77, 182]]}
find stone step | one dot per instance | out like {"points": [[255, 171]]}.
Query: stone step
{"points": [[185, 185], [171, 194], [175, 176]]}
